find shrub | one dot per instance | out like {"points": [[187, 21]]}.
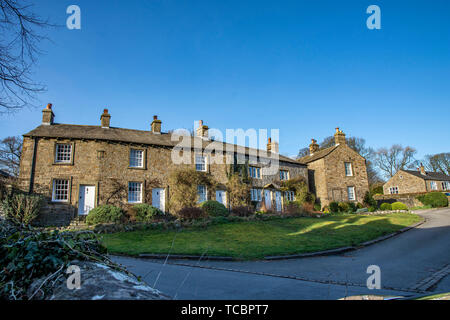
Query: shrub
{"points": [[145, 212], [105, 214], [242, 211], [434, 199], [334, 207], [344, 206], [317, 207], [368, 200], [399, 206], [238, 192], [372, 209], [386, 206], [307, 207], [214, 208], [353, 207], [21, 208], [191, 213]]}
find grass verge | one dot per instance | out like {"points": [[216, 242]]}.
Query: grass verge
{"points": [[257, 239]]}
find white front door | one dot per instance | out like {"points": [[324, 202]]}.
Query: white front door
{"points": [[278, 200], [159, 199], [221, 197], [86, 199], [268, 199]]}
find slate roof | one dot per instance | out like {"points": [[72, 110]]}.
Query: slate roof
{"points": [[70, 131], [438, 176], [317, 155]]}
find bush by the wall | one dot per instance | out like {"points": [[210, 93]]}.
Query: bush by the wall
{"points": [[242, 211], [434, 199], [22, 208], [353, 207], [386, 206], [399, 206], [368, 200], [372, 209], [214, 208], [146, 213], [344, 206], [105, 214], [191, 213], [334, 207]]}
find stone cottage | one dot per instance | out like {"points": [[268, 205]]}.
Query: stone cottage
{"points": [[78, 167], [416, 181], [337, 173]]}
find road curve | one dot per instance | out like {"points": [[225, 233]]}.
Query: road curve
{"points": [[414, 262]]}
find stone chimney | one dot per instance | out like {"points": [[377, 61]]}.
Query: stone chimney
{"points": [[105, 119], [339, 137], [272, 146], [202, 130], [313, 147], [422, 170], [156, 125], [47, 115]]}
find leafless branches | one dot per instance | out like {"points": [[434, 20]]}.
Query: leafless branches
{"points": [[438, 162], [19, 48], [10, 151], [389, 161]]}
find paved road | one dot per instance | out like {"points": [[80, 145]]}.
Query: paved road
{"points": [[413, 262]]}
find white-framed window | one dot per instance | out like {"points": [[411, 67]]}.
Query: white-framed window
{"points": [[433, 185], [445, 185], [393, 190], [255, 194], [348, 169], [134, 192], [254, 172], [63, 153], [351, 193], [60, 190], [290, 195], [200, 162], [284, 175], [201, 193], [136, 158]]}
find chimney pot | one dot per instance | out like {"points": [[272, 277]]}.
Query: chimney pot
{"points": [[339, 137], [47, 115], [273, 146], [313, 147], [105, 119], [156, 125], [422, 170], [202, 130]]}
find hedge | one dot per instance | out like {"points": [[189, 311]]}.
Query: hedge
{"points": [[434, 199]]}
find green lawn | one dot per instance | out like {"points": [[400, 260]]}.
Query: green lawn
{"points": [[256, 239]]}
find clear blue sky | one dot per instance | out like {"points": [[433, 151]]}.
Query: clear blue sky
{"points": [[304, 67]]}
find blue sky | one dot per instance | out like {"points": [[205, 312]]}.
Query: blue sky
{"points": [[303, 67]]}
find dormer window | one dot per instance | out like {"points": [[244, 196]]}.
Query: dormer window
{"points": [[63, 153]]}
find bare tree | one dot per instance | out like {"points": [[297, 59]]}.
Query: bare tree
{"points": [[10, 151], [389, 161], [438, 162], [18, 51]]}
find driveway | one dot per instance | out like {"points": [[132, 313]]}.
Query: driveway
{"points": [[414, 262]]}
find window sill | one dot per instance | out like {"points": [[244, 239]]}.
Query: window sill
{"points": [[137, 168], [63, 163]]}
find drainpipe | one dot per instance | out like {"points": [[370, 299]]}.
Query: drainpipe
{"points": [[33, 165]]}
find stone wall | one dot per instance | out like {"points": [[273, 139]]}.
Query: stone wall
{"points": [[408, 199]]}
